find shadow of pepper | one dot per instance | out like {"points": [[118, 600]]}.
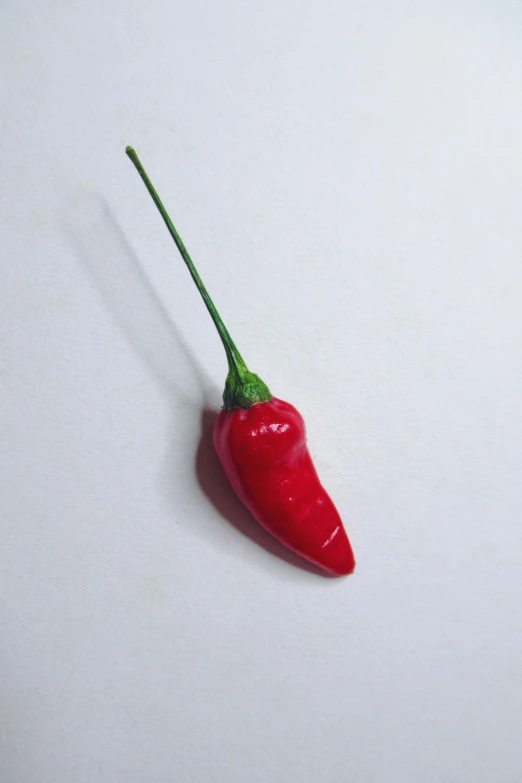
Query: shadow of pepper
{"points": [[99, 238]]}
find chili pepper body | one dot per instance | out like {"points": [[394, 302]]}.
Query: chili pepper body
{"points": [[264, 455]]}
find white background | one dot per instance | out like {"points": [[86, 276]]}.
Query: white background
{"points": [[348, 177]]}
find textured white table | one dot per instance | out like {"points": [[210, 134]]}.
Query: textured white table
{"points": [[348, 177]]}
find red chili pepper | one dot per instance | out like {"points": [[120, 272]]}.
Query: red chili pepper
{"points": [[261, 444]]}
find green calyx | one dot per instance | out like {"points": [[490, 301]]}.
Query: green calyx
{"points": [[242, 391], [242, 387]]}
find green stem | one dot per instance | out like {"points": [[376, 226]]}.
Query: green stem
{"points": [[242, 388]]}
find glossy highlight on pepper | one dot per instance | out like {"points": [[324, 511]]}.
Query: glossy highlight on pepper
{"points": [[261, 444]]}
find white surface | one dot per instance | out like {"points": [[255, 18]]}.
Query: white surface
{"points": [[348, 177]]}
